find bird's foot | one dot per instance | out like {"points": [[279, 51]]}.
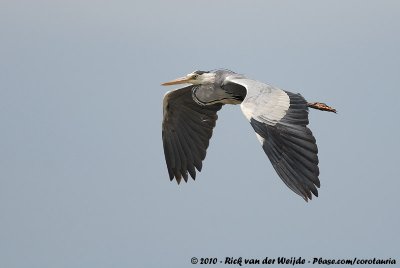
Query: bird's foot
{"points": [[321, 106]]}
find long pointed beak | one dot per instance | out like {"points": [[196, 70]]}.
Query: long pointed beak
{"points": [[181, 80]]}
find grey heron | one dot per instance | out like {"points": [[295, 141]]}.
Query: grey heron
{"points": [[278, 117]]}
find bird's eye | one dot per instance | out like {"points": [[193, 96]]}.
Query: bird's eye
{"points": [[195, 76]]}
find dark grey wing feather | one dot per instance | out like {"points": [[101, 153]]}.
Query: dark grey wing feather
{"points": [[291, 148], [280, 119], [186, 131]]}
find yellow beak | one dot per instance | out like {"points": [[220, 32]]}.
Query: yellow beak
{"points": [[181, 80]]}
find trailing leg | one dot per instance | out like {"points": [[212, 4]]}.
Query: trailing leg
{"points": [[321, 106]]}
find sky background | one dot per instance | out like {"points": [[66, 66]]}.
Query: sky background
{"points": [[83, 180]]}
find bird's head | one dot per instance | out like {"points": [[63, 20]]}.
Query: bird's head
{"points": [[194, 78]]}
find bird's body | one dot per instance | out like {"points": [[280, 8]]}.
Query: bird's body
{"points": [[279, 118]]}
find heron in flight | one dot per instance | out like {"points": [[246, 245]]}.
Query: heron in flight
{"points": [[278, 117]]}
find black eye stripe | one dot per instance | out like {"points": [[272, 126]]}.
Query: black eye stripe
{"points": [[200, 72]]}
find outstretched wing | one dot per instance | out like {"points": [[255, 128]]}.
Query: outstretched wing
{"points": [[186, 131], [280, 120]]}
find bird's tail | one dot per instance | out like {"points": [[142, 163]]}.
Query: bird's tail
{"points": [[321, 106]]}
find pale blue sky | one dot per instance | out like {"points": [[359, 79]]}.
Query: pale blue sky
{"points": [[83, 181]]}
